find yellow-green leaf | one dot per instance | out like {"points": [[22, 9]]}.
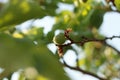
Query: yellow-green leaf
{"points": [[18, 11]]}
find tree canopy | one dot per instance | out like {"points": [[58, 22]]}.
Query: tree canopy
{"points": [[27, 52]]}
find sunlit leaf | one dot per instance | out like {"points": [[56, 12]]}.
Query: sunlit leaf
{"points": [[15, 12]]}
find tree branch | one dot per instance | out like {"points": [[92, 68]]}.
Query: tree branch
{"points": [[83, 71], [113, 48], [82, 42], [110, 38], [85, 40]]}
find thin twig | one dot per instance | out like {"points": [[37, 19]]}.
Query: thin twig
{"points": [[113, 48], [110, 38], [83, 71]]}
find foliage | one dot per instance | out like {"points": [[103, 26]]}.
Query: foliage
{"points": [[28, 54], [117, 3]]}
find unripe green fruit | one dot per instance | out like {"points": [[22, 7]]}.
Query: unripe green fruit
{"points": [[59, 39], [117, 4]]}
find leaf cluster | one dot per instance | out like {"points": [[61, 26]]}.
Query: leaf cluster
{"points": [[27, 52]]}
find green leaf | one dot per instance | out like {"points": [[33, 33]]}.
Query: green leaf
{"points": [[117, 4], [97, 18], [15, 53], [21, 53], [48, 65], [50, 36], [15, 12]]}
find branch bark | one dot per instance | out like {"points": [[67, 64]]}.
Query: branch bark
{"points": [[83, 71]]}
